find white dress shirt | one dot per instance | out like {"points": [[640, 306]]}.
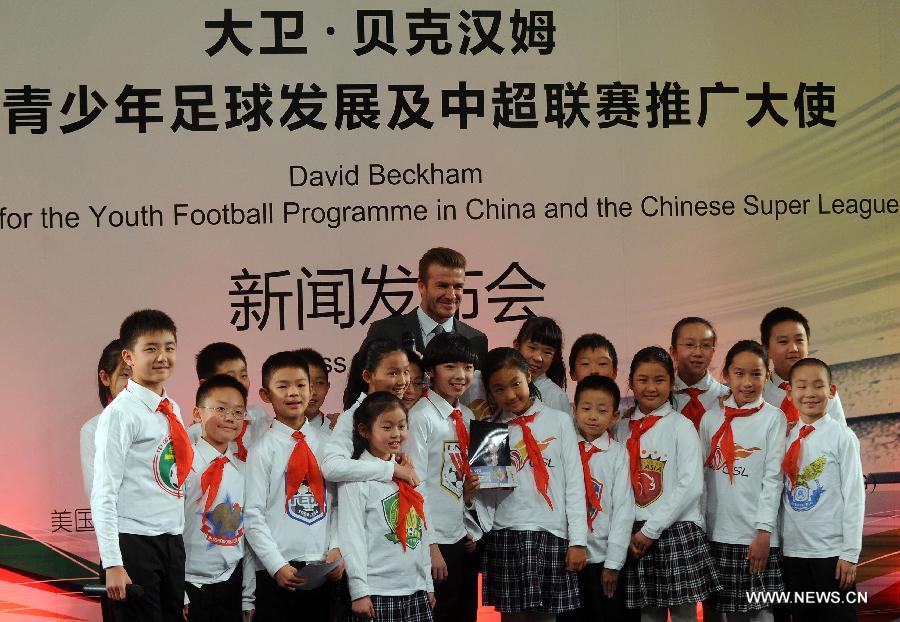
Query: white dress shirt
{"points": [[433, 446], [712, 391], [428, 325], [135, 480], [611, 535], [280, 532], [88, 448]]}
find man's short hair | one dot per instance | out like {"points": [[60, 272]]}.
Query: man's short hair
{"points": [[446, 257]]}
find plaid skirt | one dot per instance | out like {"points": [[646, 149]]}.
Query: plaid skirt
{"points": [[411, 608], [526, 571], [678, 569], [734, 572]]}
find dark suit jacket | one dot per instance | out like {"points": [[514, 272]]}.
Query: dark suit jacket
{"points": [[394, 326]]}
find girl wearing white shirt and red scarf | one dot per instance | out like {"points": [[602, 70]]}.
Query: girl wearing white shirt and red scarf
{"points": [[537, 542], [670, 568], [743, 446], [381, 525]]}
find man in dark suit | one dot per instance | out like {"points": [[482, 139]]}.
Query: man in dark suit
{"points": [[442, 275]]}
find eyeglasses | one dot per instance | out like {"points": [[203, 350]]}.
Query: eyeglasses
{"points": [[706, 348], [422, 384], [237, 415]]}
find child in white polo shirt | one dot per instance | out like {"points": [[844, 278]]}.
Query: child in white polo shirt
{"points": [[823, 505]]}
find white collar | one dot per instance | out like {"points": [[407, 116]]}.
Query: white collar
{"points": [[732, 404], [662, 411], [428, 324], [703, 384], [147, 397], [441, 405], [209, 453]]}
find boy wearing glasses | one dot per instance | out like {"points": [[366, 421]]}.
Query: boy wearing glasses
{"points": [[214, 508], [226, 358], [692, 349]]}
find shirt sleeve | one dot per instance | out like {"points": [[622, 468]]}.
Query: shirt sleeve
{"points": [[115, 434], [622, 516], [256, 528], [248, 583], [853, 493], [576, 517], [836, 409], [773, 480], [338, 466], [353, 540], [688, 479], [420, 431]]}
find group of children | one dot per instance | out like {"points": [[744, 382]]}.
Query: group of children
{"points": [[702, 492]]}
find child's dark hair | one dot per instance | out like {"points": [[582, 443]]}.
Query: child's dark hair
{"points": [[690, 320], [500, 358], [746, 345], [414, 358], [653, 354], [143, 322], [777, 316], [599, 383], [109, 362], [811, 362], [213, 355], [219, 381], [448, 348], [546, 332], [366, 414], [281, 360], [593, 341], [368, 358], [313, 359]]}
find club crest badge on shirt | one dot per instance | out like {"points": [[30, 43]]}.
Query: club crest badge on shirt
{"points": [[740, 453], [303, 506], [164, 470], [807, 491], [650, 480], [451, 469], [223, 525], [519, 454], [598, 489], [391, 507]]}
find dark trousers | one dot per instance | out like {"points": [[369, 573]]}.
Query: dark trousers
{"points": [[156, 563], [276, 604], [595, 606], [816, 575], [216, 602], [447, 593]]}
